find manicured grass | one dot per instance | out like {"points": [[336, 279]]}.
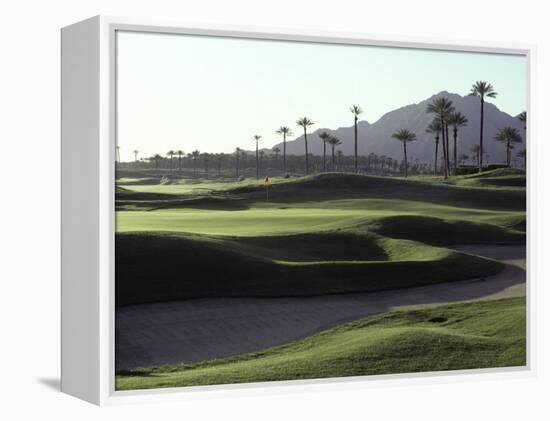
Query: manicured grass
{"points": [[449, 337], [283, 218], [321, 187], [437, 231], [158, 267], [234, 244], [505, 178]]}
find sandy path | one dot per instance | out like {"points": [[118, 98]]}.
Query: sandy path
{"points": [[196, 330]]}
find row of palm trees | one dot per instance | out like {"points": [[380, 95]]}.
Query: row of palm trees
{"points": [[444, 113]]}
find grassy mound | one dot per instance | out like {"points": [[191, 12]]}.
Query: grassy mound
{"points": [[449, 337], [159, 267], [340, 186], [440, 232], [499, 172], [508, 181], [124, 194]]}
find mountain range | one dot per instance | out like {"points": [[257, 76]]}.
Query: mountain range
{"points": [[376, 137]]}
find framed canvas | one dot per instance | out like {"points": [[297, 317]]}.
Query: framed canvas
{"points": [[245, 209]]}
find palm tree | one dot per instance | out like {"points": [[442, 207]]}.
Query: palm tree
{"points": [[462, 158], [435, 129], [442, 107], [262, 154], [340, 156], [305, 122], [219, 159], [324, 136], [482, 90], [355, 110], [477, 150], [205, 160], [195, 155], [157, 159], [237, 156], [456, 119], [276, 151], [333, 141], [404, 136], [180, 154], [135, 152], [389, 162], [285, 131], [257, 138], [523, 154], [523, 118], [508, 135], [171, 154]]}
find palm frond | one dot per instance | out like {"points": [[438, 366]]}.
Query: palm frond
{"points": [[324, 136], [304, 122], [404, 135], [457, 119], [284, 130], [483, 89], [508, 134]]}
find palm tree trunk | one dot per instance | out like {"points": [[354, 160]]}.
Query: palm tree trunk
{"points": [[405, 153], [355, 128], [435, 161], [257, 163], [448, 149], [481, 137], [455, 132], [179, 163], [443, 144], [307, 157], [324, 156], [332, 163], [284, 153], [508, 157]]}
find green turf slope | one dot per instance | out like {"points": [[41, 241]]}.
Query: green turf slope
{"points": [[159, 266], [449, 337], [339, 186]]}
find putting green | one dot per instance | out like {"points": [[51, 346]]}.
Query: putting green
{"points": [[284, 218]]}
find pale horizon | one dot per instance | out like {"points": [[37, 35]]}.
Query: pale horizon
{"points": [[214, 94]]}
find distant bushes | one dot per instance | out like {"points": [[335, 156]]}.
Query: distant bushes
{"points": [[472, 169], [467, 169], [495, 167]]}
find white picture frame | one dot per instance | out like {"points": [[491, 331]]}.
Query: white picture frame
{"points": [[88, 145]]}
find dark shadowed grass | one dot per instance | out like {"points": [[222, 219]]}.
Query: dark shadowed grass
{"points": [[158, 267], [336, 186], [436, 231], [448, 337]]}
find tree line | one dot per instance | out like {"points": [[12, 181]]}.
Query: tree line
{"points": [[446, 119]]}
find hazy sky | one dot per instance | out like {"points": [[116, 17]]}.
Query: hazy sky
{"points": [[214, 94]]}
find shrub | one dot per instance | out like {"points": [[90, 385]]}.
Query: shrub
{"points": [[495, 167], [466, 169]]}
